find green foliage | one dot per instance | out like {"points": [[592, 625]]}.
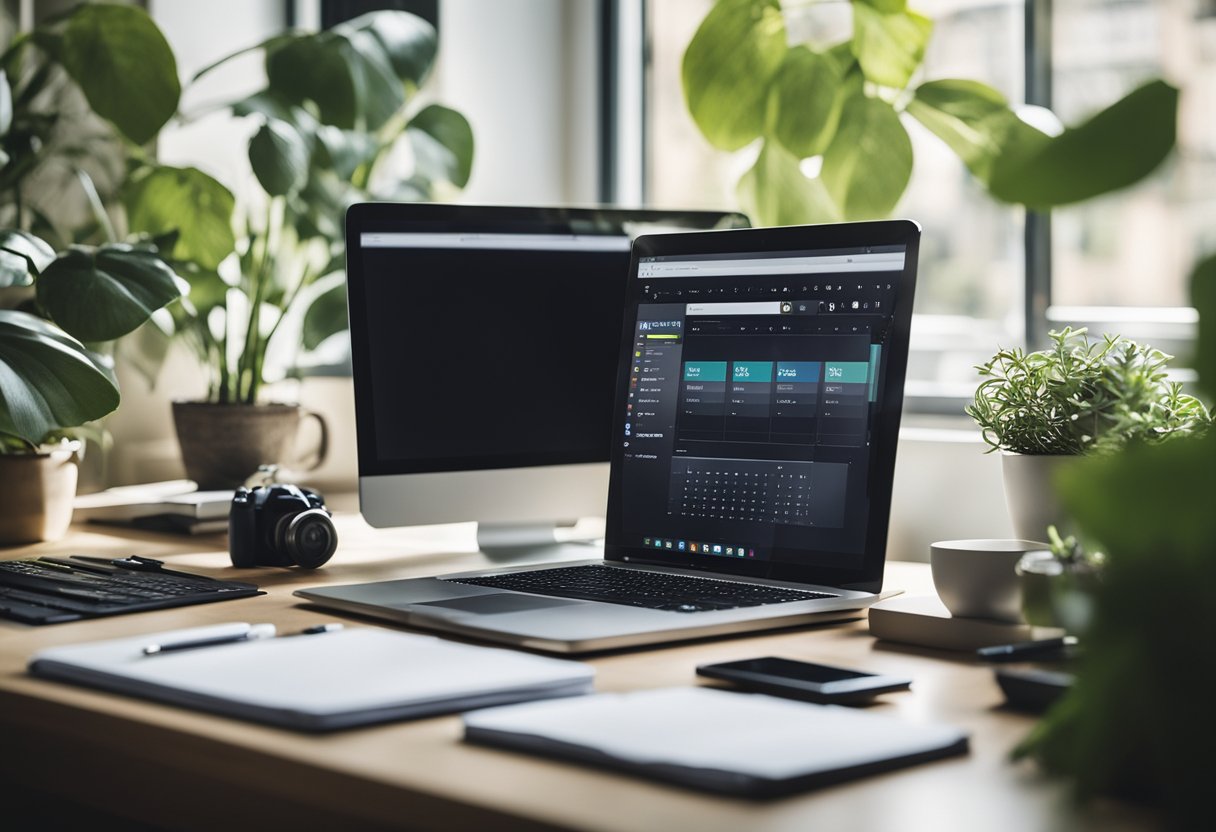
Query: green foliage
{"points": [[1150, 509], [153, 199], [335, 105], [121, 62], [1138, 721], [279, 157], [743, 83], [118, 62], [1117, 147], [1080, 396], [48, 380], [100, 294], [732, 59], [869, 162]]}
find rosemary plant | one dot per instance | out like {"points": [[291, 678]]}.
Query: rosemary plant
{"points": [[1080, 396]]}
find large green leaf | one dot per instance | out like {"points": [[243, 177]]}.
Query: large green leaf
{"points": [[345, 72], [99, 294], [124, 66], [889, 45], [378, 91], [187, 201], [409, 42], [326, 316], [775, 192], [343, 151], [22, 255], [279, 156], [1203, 296], [727, 69], [313, 68], [972, 118], [869, 162], [1116, 148], [47, 379], [805, 101], [442, 141]]}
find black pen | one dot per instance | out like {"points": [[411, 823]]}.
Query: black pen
{"points": [[249, 634], [1026, 649]]}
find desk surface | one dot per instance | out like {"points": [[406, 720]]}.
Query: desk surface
{"points": [[199, 771]]}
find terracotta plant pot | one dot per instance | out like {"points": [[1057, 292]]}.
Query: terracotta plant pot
{"points": [[1030, 494], [38, 491], [223, 444]]}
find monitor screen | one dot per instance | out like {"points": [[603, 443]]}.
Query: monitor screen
{"points": [[760, 402], [486, 337]]}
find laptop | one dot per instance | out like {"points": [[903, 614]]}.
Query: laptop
{"points": [[758, 401]]}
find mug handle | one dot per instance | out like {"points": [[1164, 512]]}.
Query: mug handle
{"points": [[323, 445]]}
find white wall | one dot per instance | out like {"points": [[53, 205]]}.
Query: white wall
{"points": [[523, 73]]}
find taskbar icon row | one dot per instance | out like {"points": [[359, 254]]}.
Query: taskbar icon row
{"points": [[698, 548]]}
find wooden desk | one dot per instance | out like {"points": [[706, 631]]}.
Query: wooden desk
{"points": [[176, 768]]}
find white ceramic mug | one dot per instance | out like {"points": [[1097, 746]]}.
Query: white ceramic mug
{"points": [[976, 578]]}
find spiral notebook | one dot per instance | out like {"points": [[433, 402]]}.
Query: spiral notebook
{"points": [[317, 682]]}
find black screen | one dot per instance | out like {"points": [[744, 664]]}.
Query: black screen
{"points": [[487, 337]]}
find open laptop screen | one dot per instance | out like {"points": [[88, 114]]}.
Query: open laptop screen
{"points": [[759, 400]]}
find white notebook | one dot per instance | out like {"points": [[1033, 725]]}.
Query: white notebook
{"points": [[315, 682], [722, 741]]}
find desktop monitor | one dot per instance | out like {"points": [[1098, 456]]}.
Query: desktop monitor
{"points": [[485, 346]]}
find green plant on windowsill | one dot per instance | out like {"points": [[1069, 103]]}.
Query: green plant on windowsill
{"points": [[1080, 396]]}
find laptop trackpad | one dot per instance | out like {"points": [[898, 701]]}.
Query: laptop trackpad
{"points": [[498, 603]]}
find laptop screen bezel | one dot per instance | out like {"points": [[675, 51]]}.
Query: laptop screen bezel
{"points": [[866, 574]]}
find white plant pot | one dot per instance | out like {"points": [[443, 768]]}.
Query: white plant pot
{"points": [[1031, 496]]}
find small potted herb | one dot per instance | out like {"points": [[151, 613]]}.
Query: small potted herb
{"points": [[1041, 409], [1059, 583]]}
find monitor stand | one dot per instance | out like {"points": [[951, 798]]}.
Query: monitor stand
{"points": [[552, 541]]}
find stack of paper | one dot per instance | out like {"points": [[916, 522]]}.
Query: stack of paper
{"points": [[734, 743], [176, 505], [314, 682]]}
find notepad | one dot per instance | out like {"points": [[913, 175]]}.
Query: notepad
{"points": [[318, 682], [721, 741]]}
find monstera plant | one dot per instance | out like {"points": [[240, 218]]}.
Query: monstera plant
{"points": [[97, 75], [267, 277]]}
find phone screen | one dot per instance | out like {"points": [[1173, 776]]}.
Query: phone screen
{"points": [[799, 671]]}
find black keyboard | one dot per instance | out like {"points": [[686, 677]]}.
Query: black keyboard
{"points": [[638, 588], [52, 590]]}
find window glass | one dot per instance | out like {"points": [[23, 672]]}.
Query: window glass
{"points": [[1135, 248]]}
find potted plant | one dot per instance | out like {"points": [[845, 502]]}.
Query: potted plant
{"points": [[52, 382], [337, 105], [59, 312], [1137, 722], [1040, 409]]}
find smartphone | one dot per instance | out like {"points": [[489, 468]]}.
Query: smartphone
{"points": [[803, 680]]}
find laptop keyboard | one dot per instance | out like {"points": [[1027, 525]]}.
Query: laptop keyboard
{"points": [[638, 588]]}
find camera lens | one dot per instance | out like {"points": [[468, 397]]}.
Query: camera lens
{"points": [[308, 538]]}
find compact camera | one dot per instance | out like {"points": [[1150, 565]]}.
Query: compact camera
{"points": [[280, 525]]}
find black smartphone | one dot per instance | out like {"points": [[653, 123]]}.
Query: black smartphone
{"points": [[803, 680]]}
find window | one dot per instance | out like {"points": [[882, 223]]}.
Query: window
{"points": [[1117, 263]]}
